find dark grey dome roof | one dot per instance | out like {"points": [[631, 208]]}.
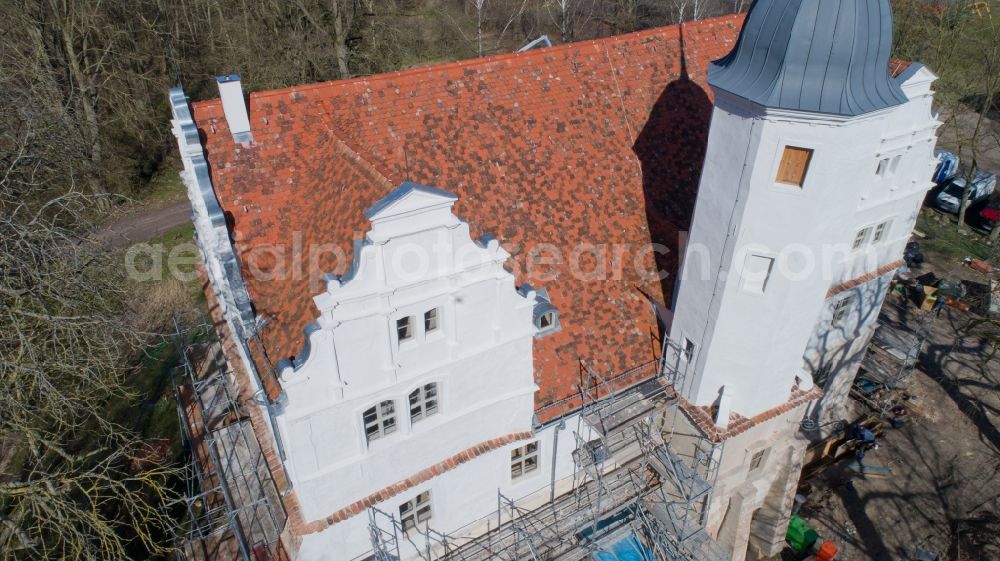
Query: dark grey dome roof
{"points": [[824, 56]]}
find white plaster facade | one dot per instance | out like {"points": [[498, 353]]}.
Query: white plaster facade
{"points": [[755, 332], [417, 257], [752, 340]]}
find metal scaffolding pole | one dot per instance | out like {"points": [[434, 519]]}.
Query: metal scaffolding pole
{"points": [[233, 509]]}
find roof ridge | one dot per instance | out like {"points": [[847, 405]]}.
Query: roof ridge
{"points": [[476, 61], [378, 172]]}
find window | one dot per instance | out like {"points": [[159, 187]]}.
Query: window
{"points": [[404, 328], [895, 164], [794, 165], [880, 232], [523, 460], [883, 167], [756, 271], [757, 459], [415, 511], [688, 349], [423, 402], [380, 420], [822, 374], [840, 310], [431, 320], [861, 237], [546, 320]]}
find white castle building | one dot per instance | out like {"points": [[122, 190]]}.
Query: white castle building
{"points": [[463, 317]]}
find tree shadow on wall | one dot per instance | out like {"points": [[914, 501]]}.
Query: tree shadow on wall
{"points": [[671, 150]]}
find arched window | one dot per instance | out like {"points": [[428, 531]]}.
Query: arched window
{"points": [[423, 402]]}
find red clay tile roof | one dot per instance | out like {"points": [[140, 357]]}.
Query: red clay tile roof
{"points": [[897, 67], [597, 142]]}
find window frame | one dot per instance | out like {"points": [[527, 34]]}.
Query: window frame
{"points": [[384, 422], [520, 458], [432, 320], [411, 517], [882, 168], [822, 374], [880, 230], [408, 326], [689, 349], [757, 459], [861, 238], [841, 309], [546, 320], [419, 397]]}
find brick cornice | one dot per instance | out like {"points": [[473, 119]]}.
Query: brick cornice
{"points": [[835, 290], [423, 475]]}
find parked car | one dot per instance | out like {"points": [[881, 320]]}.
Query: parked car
{"points": [[950, 197], [990, 215], [947, 166]]}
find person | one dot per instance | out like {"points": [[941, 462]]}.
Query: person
{"points": [[938, 305], [866, 441], [858, 432], [863, 448]]}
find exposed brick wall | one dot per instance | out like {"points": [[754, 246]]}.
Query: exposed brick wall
{"points": [[701, 416], [416, 479], [864, 278]]}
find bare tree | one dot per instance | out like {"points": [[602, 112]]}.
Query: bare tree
{"points": [[961, 43], [569, 16], [74, 483]]}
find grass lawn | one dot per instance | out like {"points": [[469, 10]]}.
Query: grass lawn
{"points": [[943, 237], [153, 412], [164, 187]]}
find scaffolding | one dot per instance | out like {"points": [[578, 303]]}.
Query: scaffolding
{"points": [[232, 509], [891, 355], [630, 482]]}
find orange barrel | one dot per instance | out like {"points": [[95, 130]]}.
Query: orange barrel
{"points": [[827, 551]]}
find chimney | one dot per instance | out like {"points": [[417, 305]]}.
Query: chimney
{"points": [[235, 107]]}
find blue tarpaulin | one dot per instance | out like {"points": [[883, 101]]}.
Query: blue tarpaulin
{"points": [[628, 549]]}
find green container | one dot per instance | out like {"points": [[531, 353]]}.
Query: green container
{"points": [[800, 535]]}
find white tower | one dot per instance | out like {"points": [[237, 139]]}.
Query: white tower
{"points": [[817, 162]]}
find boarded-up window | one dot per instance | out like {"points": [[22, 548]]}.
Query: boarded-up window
{"points": [[794, 165]]}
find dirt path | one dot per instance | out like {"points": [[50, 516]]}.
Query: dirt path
{"points": [[145, 224]]}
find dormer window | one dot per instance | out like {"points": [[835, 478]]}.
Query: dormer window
{"points": [[546, 320], [404, 328]]}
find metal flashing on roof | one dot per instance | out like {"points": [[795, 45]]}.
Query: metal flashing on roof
{"points": [[823, 56], [404, 191], [909, 72]]}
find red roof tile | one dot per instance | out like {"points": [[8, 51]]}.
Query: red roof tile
{"points": [[597, 142]]}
